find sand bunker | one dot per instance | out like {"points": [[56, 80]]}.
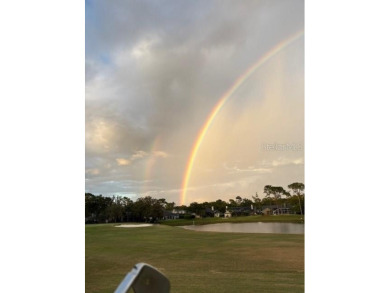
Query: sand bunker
{"points": [[134, 225]]}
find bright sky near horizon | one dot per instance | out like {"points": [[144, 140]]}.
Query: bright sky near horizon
{"points": [[156, 70]]}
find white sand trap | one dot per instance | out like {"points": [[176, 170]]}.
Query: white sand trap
{"points": [[134, 225]]}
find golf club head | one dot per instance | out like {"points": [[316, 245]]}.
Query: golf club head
{"points": [[144, 278]]}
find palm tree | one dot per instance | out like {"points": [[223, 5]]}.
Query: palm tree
{"points": [[298, 189]]}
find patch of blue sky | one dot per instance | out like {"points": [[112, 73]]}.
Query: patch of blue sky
{"points": [[105, 59], [91, 25]]}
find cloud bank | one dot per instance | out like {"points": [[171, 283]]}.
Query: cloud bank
{"points": [[155, 70]]}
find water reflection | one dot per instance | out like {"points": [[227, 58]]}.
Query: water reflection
{"points": [[277, 228]]}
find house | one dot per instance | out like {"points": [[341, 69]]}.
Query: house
{"points": [[208, 212], [241, 211], [227, 214], [275, 210], [176, 211], [212, 213], [266, 211], [282, 211], [170, 215]]}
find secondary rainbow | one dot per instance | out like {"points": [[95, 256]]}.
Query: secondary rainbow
{"points": [[239, 81], [151, 161]]}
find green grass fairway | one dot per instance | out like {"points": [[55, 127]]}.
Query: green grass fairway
{"points": [[195, 261]]}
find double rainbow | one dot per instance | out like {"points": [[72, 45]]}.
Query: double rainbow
{"points": [[152, 159], [239, 81]]}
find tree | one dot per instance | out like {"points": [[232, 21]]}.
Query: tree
{"points": [[197, 208], [232, 203], [298, 189], [268, 191], [246, 202], [182, 207], [96, 207], [148, 209], [219, 205], [276, 191], [115, 211], [128, 207], [157, 210], [256, 201], [90, 205], [169, 206]]}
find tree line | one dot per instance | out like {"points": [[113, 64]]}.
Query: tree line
{"points": [[100, 209]]}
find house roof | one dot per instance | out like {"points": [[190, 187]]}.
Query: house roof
{"points": [[240, 209], [169, 213], [210, 211]]}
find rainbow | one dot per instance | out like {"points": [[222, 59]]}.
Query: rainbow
{"points": [[238, 82], [152, 158]]}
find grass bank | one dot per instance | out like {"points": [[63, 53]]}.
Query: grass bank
{"points": [[248, 219], [195, 261]]}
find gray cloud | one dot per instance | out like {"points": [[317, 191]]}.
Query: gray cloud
{"points": [[154, 71]]}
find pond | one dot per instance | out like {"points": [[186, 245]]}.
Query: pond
{"points": [[277, 228]]}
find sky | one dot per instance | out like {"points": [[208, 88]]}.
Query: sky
{"points": [[193, 100]]}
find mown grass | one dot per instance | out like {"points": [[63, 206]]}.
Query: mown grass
{"points": [[248, 219], [195, 261]]}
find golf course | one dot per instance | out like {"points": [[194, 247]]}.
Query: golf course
{"points": [[195, 261]]}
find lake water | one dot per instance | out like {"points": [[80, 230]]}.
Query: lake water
{"points": [[277, 228]]}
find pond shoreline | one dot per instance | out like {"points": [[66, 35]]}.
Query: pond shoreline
{"points": [[257, 228], [298, 219]]}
